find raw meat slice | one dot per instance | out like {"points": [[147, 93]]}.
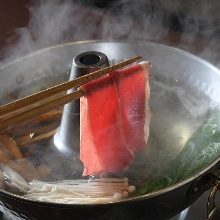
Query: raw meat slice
{"points": [[88, 155], [102, 144], [133, 93], [115, 119]]}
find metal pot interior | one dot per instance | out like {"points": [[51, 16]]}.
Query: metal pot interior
{"points": [[184, 93]]}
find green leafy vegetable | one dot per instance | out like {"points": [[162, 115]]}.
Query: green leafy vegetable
{"points": [[199, 151]]}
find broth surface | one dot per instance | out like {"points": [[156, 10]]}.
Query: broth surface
{"points": [[177, 108]]}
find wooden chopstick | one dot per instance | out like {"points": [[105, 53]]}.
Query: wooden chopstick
{"points": [[14, 120], [30, 114], [47, 93]]}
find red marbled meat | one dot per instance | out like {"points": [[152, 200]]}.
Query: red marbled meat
{"points": [[114, 119], [101, 138], [133, 93]]}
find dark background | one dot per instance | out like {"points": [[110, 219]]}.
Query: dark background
{"points": [[198, 18]]}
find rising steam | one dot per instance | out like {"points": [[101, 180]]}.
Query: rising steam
{"points": [[56, 22], [51, 23]]}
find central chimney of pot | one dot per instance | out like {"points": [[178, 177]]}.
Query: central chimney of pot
{"points": [[67, 138]]}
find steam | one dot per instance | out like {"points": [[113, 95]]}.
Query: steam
{"points": [[51, 23], [137, 27], [195, 106], [194, 27], [56, 22]]}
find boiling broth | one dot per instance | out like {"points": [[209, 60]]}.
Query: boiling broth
{"points": [[178, 110]]}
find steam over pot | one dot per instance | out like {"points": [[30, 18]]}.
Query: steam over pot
{"points": [[169, 63]]}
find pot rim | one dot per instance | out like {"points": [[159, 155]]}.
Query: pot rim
{"points": [[2, 66], [128, 200]]}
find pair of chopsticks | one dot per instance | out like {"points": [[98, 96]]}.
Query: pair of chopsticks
{"points": [[23, 110]]}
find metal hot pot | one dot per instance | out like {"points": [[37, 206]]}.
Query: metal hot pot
{"points": [[184, 92]]}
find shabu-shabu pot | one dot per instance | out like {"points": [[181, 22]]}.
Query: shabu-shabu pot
{"points": [[173, 122]]}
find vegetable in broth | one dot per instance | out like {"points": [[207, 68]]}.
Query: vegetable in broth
{"points": [[200, 150]]}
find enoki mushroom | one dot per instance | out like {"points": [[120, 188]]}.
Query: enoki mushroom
{"points": [[81, 191], [102, 190], [18, 172]]}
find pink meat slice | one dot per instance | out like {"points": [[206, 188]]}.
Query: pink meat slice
{"points": [[115, 119], [102, 144], [88, 154], [133, 93]]}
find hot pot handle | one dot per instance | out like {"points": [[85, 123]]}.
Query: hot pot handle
{"points": [[213, 210]]}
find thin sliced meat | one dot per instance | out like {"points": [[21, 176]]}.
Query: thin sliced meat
{"points": [[133, 93], [115, 119], [102, 144], [88, 154]]}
